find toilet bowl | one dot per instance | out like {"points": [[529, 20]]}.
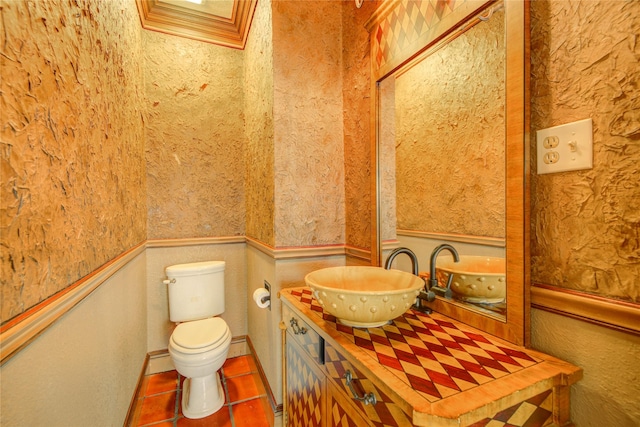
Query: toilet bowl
{"points": [[198, 350], [200, 343]]}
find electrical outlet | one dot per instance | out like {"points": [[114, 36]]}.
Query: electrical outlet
{"points": [[551, 157], [551, 142], [566, 147]]}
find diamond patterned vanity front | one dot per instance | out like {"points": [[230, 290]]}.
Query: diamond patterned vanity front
{"points": [[431, 370]]}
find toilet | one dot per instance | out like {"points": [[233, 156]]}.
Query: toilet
{"points": [[200, 342]]}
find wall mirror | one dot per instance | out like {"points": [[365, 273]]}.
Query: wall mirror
{"points": [[451, 152]]}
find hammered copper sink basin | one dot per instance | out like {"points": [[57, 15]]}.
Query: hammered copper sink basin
{"points": [[364, 297]]}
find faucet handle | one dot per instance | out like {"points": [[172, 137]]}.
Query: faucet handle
{"points": [[427, 295], [445, 292]]}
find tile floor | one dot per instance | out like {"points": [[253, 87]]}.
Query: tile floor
{"points": [[246, 404]]}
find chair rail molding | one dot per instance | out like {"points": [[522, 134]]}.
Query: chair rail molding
{"points": [[608, 312]]}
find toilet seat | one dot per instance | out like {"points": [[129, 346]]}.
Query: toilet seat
{"points": [[200, 336]]}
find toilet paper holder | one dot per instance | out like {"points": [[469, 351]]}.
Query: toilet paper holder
{"points": [[266, 298], [262, 296]]}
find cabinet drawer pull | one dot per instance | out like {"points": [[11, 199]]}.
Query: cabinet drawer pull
{"points": [[297, 329], [368, 398]]}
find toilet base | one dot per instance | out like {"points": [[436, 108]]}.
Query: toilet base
{"points": [[202, 396]]}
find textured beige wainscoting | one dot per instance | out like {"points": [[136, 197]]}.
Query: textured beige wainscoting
{"points": [[282, 269], [262, 324], [83, 369], [586, 224], [73, 171], [608, 393], [195, 138]]}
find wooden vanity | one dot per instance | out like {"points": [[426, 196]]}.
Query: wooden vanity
{"points": [[422, 370], [458, 366]]}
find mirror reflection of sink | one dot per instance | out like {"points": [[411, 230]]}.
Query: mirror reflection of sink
{"points": [[477, 279], [364, 297]]}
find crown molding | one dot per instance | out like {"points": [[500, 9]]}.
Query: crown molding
{"points": [[178, 19]]}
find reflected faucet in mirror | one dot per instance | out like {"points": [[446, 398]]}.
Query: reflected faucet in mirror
{"points": [[431, 287], [433, 281], [415, 270]]}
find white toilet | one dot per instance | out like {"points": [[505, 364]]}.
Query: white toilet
{"points": [[199, 344]]}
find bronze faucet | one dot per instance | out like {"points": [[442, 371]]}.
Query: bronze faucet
{"points": [[433, 281], [414, 266], [398, 251]]}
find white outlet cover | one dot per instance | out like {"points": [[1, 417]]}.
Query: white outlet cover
{"points": [[577, 134]]}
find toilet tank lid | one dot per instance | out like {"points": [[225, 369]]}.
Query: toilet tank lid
{"points": [[200, 333], [194, 268]]}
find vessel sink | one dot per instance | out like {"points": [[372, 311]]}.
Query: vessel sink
{"points": [[364, 297], [477, 279]]}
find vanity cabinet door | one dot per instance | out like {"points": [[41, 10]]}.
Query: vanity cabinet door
{"points": [[341, 412], [306, 390], [384, 412], [300, 331]]}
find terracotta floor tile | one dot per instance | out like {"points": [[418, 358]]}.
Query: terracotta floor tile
{"points": [[241, 388], [249, 414], [237, 366], [222, 418], [260, 386], [243, 385], [159, 383], [158, 408], [253, 364]]}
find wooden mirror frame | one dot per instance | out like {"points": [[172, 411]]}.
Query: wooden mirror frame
{"points": [[387, 59]]}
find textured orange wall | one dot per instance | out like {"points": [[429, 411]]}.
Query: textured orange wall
{"points": [[586, 224], [258, 112], [73, 181], [387, 159], [449, 136], [356, 98], [195, 138], [308, 132]]}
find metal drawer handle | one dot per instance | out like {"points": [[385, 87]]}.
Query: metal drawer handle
{"points": [[297, 329], [368, 398]]}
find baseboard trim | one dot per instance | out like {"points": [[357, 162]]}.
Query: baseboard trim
{"points": [[607, 312], [277, 408], [137, 394]]}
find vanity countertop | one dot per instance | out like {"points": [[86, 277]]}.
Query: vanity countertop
{"points": [[443, 372]]}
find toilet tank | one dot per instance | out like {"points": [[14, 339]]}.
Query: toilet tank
{"points": [[196, 290]]}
